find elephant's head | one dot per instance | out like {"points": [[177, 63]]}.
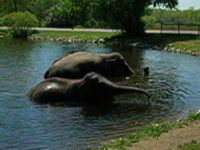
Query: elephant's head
{"points": [[97, 85], [116, 64]]}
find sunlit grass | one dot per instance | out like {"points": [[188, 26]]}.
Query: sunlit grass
{"points": [[76, 34], [190, 45]]}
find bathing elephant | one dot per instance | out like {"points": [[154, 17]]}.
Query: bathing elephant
{"points": [[77, 64], [93, 88]]}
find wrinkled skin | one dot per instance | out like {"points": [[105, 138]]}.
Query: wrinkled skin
{"points": [[77, 64], [92, 88]]}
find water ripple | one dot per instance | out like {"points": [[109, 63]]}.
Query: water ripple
{"points": [[173, 83]]}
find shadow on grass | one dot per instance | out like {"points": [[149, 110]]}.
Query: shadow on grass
{"points": [[155, 41]]}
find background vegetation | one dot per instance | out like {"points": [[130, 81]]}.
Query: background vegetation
{"points": [[125, 15], [156, 16], [131, 16], [20, 23]]}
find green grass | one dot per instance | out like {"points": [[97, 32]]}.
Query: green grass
{"points": [[153, 130], [193, 145], [75, 35], [190, 47]]}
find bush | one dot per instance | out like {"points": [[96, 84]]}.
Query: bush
{"points": [[91, 23], [59, 16], [149, 21], [20, 23], [68, 13]]}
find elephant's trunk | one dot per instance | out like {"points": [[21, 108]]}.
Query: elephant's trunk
{"points": [[124, 89]]}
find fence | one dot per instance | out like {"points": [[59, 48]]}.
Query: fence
{"points": [[179, 26]]}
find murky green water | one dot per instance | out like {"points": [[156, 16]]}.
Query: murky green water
{"points": [[174, 82]]}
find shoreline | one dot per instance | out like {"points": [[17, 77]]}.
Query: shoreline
{"points": [[160, 136], [167, 41], [187, 44], [172, 140]]}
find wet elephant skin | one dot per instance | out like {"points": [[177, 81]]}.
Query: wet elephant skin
{"points": [[92, 88], [76, 65]]}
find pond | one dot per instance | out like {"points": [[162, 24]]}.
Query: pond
{"points": [[173, 81]]}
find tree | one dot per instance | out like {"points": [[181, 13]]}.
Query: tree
{"points": [[127, 14], [39, 8], [9, 6], [68, 13], [20, 23]]}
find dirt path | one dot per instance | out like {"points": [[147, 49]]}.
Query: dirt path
{"points": [[170, 140], [109, 30]]}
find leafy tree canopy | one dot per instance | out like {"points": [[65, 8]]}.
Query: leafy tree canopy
{"points": [[127, 14], [120, 14]]}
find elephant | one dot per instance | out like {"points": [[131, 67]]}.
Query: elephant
{"points": [[92, 88], [76, 65]]}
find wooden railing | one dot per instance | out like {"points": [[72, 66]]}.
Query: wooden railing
{"points": [[179, 26]]}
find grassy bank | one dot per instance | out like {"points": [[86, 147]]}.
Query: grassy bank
{"points": [[76, 35], [183, 43], [189, 44], [154, 130]]}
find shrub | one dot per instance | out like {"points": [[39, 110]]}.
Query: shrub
{"points": [[91, 23], [20, 23], [59, 16], [149, 21]]}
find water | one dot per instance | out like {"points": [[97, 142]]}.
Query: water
{"points": [[173, 81]]}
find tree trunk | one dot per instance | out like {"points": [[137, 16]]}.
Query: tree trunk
{"points": [[15, 5], [134, 27]]}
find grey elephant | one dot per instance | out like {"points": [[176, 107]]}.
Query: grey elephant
{"points": [[93, 88], [77, 64]]}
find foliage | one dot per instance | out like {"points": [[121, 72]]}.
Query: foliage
{"points": [[36, 7], [165, 3], [9, 6], [125, 15], [187, 17], [1, 22], [149, 21], [92, 23], [176, 16], [20, 23], [68, 13], [39, 8]]}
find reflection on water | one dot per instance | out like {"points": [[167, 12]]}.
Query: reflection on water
{"points": [[173, 82]]}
